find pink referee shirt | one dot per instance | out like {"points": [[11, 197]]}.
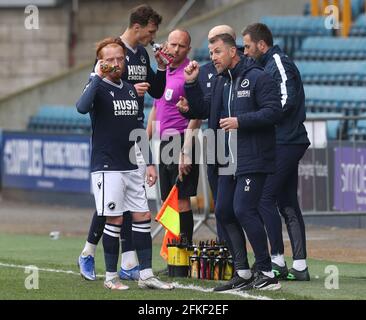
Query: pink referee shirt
{"points": [[166, 110]]}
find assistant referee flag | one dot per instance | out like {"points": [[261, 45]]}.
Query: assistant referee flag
{"points": [[168, 217]]}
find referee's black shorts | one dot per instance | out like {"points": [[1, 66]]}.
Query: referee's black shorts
{"points": [[168, 174]]}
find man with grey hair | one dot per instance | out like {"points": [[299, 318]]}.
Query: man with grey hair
{"points": [[207, 74], [243, 99]]}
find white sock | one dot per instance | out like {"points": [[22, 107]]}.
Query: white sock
{"points": [[299, 265], [269, 274], [110, 275], [245, 274], [89, 249], [278, 259], [129, 260], [146, 273]]}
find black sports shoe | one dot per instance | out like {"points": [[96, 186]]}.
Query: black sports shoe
{"points": [[279, 272], [262, 282], [253, 268], [296, 275], [234, 283]]}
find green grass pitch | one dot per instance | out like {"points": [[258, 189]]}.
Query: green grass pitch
{"points": [[61, 254]]}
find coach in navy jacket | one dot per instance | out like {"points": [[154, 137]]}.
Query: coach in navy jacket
{"points": [[246, 99], [255, 103]]}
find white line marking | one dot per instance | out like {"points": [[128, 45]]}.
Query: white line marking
{"points": [[176, 284], [7, 265], [232, 292]]}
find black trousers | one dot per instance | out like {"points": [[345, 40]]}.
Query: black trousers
{"points": [[237, 209], [168, 174], [280, 194]]}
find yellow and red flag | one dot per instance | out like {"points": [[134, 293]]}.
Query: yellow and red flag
{"points": [[168, 217], [168, 238]]}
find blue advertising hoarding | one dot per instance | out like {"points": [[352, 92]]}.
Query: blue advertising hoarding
{"points": [[46, 162], [350, 179]]}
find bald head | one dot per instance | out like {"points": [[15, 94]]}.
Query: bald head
{"points": [[182, 34], [221, 29], [178, 46]]}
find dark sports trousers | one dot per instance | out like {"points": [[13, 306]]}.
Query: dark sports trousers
{"points": [[280, 191], [168, 174], [237, 209], [212, 174]]}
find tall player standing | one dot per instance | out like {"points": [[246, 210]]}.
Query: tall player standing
{"points": [[143, 25]]}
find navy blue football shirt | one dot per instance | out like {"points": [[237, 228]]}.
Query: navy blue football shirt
{"points": [[114, 112]]}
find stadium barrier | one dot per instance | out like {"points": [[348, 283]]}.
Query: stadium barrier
{"points": [[332, 173]]}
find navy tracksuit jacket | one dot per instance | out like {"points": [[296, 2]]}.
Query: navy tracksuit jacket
{"points": [[280, 190], [253, 99]]}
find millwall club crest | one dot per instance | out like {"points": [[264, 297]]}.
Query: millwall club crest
{"points": [[111, 93], [132, 94], [244, 83], [111, 205], [128, 58], [247, 187], [143, 60], [168, 94]]}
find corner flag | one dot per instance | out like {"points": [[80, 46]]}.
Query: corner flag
{"points": [[168, 217]]}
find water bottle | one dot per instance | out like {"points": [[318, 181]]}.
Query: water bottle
{"points": [[195, 264], [218, 266], [205, 265], [167, 60], [106, 68]]}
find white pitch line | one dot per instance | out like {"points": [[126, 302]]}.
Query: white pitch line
{"points": [[232, 292], [7, 265], [176, 284]]}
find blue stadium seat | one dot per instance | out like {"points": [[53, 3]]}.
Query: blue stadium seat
{"points": [[149, 100], [202, 53], [60, 119], [279, 42], [357, 130], [332, 48], [307, 9], [341, 99], [349, 73], [357, 6], [334, 126], [359, 27], [153, 64], [294, 29]]}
